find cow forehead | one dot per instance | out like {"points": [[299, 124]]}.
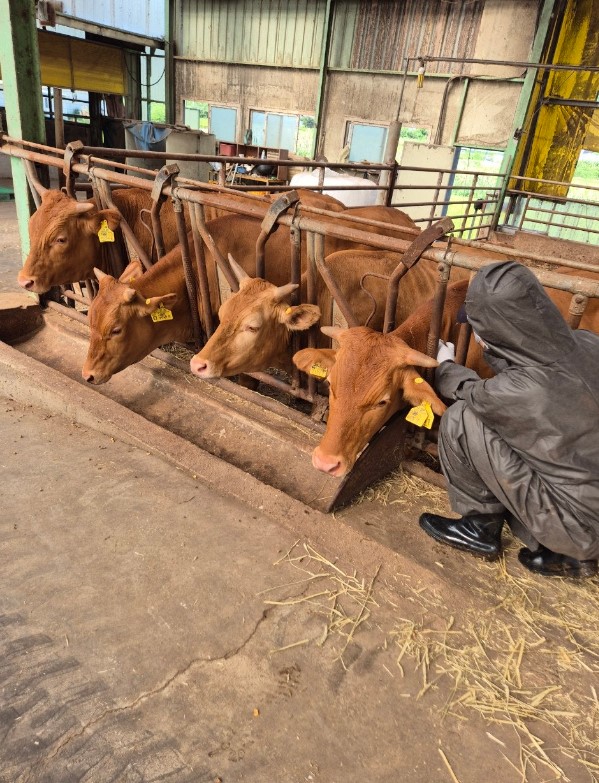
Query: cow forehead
{"points": [[364, 366], [250, 299], [108, 306], [55, 212]]}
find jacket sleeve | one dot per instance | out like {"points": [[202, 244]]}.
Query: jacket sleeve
{"points": [[450, 378]]}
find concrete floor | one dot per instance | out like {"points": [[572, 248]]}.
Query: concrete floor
{"points": [[157, 626]]}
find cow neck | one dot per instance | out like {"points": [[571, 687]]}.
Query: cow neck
{"points": [[168, 278]]}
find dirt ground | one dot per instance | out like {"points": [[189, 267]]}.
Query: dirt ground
{"points": [[160, 626]]}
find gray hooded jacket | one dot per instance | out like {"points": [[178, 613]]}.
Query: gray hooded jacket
{"points": [[543, 403]]}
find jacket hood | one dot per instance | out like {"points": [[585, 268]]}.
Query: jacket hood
{"points": [[509, 309]]}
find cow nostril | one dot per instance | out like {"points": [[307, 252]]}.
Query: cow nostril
{"points": [[26, 283], [199, 366], [89, 378], [332, 469]]}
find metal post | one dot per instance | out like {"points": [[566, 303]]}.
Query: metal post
{"points": [[393, 134], [19, 61], [322, 77], [169, 61]]}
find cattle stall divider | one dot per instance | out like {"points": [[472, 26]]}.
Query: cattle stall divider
{"points": [[190, 199]]}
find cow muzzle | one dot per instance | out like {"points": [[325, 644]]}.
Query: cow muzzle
{"points": [[30, 284], [203, 368], [332, 464]]}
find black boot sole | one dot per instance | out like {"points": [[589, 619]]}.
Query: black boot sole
{"points": [[433, 533]]}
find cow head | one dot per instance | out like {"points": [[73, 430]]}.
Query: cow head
{"points": [[64, 244], [254, 330], [121, 331], [370, 376]]}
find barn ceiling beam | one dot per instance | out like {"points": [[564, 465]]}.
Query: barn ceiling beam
{"points": [[112, 33], [20, 63]]}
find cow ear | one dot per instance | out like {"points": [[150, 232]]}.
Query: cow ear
{"points": [[132, 272], [416, 390], [299, 317], [151, 304], [111, 216], [320, 357]]}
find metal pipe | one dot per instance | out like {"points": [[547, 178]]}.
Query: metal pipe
{"points": [[157, 228], [190, 283], [432, 342], [576, 310], [260, 247], [392, 295], [511, 63], [219, 259], [125, 227], [202, 272], [222, 201], [295, 277]]}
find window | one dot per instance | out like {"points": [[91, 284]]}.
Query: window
{"points": [[220, 120], [293, 132], [368, 142]]}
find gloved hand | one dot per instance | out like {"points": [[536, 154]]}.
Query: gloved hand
{"points": [[445, 352]]}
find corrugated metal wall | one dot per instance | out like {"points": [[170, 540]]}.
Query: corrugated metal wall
{"points": [[378, 35], [264, 32], [367, 34], [145, 17]]}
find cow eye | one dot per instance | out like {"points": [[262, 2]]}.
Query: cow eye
{"points": [[381, 403], [60, 241], [116, 330], [252, 329]]}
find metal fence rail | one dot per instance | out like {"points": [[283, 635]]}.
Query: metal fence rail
{"points": [[306, 221]]}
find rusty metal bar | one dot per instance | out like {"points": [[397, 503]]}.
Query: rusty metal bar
{"points": [[221, 200], [72, 149], [576, 310], [410, 257], [269, 223], [461, 350], [218, 257], [163, 177], [124, 226], [190, 283], [432, 342], [68, 311], [76, 298], [202, 272], [295, 277]]}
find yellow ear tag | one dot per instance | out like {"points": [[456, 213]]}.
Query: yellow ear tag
{"points": [[288, 310], [318, 371], [422, 415], [418, 380], [161, 313], [104, 233]]}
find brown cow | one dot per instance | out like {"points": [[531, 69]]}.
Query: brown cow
{"points": [[254, 332], [255, 329], [235, 234], [63, 234], [355, 380]]}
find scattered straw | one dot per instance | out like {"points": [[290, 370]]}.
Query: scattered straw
{"points": [[401, 488], [448, 765]]}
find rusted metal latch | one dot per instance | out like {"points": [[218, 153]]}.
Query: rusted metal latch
{"points": [[408, 259], [163, 178], [276, 209], [71, 150]]}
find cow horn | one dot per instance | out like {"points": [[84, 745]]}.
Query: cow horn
{"points": [[283, 291], [334, 332], [238, 270], [83, 206], [100, 275]]}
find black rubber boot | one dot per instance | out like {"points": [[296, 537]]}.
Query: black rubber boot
{"points": [[548, 563], [479, 534]]}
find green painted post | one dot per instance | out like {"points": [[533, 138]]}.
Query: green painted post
{"points": [[20, 63]]}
